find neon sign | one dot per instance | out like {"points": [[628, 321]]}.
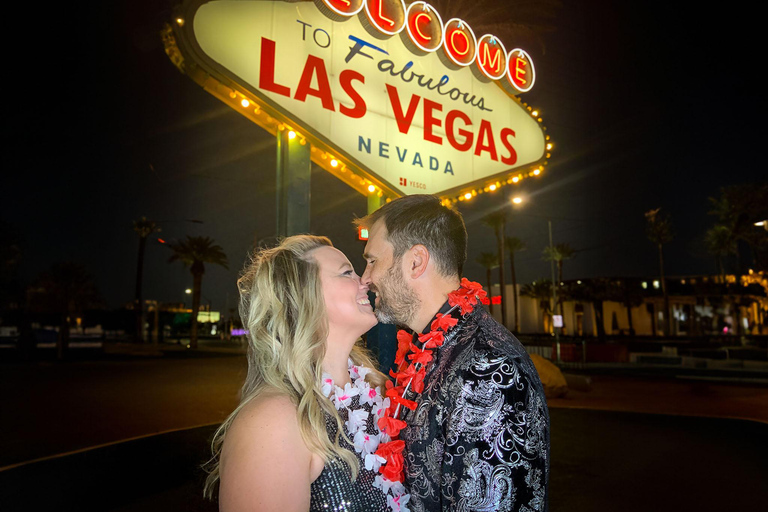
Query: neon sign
{"points": [[427, 33], [425, 28], [460, 44], [491, 57], [520, 71], [432, 111], [386, 16]]}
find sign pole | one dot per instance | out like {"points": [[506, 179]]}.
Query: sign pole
{"points": [[293, 183]]}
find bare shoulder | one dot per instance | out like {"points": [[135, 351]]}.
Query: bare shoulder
{"points": [[264, 412], [265, 464]]}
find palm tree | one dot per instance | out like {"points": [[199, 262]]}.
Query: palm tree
{"points": [[720, 242], [540, 290], [659, 231], [143, 227], [559, 253], [513, 245], [498, 221], [737, 209], [489, 261], [194, 252]]}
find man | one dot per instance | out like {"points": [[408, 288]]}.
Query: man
{"points": [[478, 438]]}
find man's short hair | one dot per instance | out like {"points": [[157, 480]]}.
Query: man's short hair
{"points": [[423, 219]]}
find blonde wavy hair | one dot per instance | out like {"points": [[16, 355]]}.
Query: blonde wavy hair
{"points": [[282, 307]]}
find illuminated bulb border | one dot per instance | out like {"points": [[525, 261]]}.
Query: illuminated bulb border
{"points": [[341, 169]]}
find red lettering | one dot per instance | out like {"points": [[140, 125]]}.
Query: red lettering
{"points": [[449, 131], [267, 69], [359, 108], [485, 140], [512, 157], [430, 121], [315, 67], [403, 120]]}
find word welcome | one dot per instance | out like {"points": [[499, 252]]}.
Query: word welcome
{"points": [[427, 33]]}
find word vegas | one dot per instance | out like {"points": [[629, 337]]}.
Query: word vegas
{"points": [[457, 123]]}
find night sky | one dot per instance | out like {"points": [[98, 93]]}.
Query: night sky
{"points": [[648, 105]]}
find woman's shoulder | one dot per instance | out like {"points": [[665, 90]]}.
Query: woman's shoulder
{"points": [[265, 463], [269, 411]]}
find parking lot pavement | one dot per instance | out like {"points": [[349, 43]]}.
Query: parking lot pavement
{"points": [[601, 461]]}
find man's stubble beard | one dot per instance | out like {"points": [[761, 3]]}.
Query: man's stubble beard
{"points": [[398, 303]]}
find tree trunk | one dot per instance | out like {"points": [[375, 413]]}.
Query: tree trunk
{"points": [[500, 236], [490, 295], [138, 302], [197, 279], [667, 315], [514, 289], [559, 293]]}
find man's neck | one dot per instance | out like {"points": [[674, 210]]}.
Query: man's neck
{"points": [[431, 302]]}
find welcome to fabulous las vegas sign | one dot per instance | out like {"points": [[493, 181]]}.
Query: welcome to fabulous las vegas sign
{"points": [[391, 98]]}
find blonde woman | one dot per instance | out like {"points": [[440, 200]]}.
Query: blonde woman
{"points": [[304, 435]]}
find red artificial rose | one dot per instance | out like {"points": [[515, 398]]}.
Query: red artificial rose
{"points": [[403, 345], [443, 322], [459, 298], [387, 449], [435, 339], [422, 357], [391, 426], [393, 469], [393, 453], [397, 398]]}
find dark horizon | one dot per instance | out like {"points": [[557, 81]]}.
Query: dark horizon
{"points": [[647, 108]]}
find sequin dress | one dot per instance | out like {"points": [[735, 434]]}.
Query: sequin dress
{"points": [[334, 489]]}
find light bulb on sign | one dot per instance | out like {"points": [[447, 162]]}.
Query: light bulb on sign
{"points": [[291, 134], [245, 103]]}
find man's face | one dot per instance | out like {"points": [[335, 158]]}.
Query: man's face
{"points": [[396, 302]]}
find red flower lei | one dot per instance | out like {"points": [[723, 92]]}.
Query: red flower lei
{"points": [[412, 362]]}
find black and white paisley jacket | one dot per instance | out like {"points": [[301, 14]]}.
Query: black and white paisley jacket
{"points": [[478, 439]]}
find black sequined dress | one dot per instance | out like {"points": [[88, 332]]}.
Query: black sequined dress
{"points": [[334, 490]]}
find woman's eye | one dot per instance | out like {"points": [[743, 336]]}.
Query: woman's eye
{"points": [[348, 273]]}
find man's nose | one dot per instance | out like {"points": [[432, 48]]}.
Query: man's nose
{"points": [[366, 277]]}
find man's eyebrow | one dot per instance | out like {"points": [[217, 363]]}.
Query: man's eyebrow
{"points": [[367, 256]]}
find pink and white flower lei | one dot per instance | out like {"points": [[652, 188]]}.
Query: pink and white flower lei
{"points": [[364, 443]]}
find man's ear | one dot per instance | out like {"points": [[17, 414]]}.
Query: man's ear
{"points": [[418, 259]]}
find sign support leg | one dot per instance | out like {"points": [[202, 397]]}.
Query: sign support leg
{"points": [[293, 181]]}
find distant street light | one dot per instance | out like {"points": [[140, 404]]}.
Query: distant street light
{"points": [[517, 200]]}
